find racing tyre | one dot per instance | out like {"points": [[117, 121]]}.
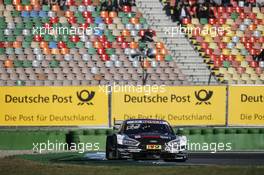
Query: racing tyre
{"points": [[111, 149]]}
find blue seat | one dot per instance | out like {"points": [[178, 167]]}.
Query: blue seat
{"points": [[52, 45], [98, 20], [43, 14], [25, 14], [33, 14]]}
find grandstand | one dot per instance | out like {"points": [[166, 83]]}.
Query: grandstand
{"points": [[104, 56], [101, 57]]}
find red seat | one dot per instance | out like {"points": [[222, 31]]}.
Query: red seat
{"points": [[86, 2], [86, 14], [105, 57], [101, 51], [253, 64]]}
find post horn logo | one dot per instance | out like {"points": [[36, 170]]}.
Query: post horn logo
{"points": [[85, 97], [203, 96]]}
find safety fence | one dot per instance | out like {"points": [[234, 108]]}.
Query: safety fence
{"points": [[99, 106]]}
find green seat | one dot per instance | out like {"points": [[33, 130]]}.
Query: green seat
{"points": [[38, 24], [8, 2], [142, 20], [110, 51], [80, 45], [91, 51], [111, 38], [28, 38], [65, 38], [107, 32], [20, 83], [78, 14], [70, 44], [80, 20], [54, 64], [3, 25], [226, 64], [25, 2], [20, 26], [18, 63], [234, 15], [131, 15], [121, 14], [45, 20], [47, 37], [27, 64], [2, 51], [142, 45], [168, 58], [15, 13], [125, 20], [10, 51], [26, 44], [17, 31], [29, 25], [45, 8], [95, 14], [11, 38], [56, 38], [2, 36], [65, 25], [204, 21], [57, 25]]}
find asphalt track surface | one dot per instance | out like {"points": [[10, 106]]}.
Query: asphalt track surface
{"points": [[237, 158]]}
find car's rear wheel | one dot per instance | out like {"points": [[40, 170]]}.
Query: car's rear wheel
{"points": [[111, 151]]}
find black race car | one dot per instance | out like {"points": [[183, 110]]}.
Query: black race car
{"points": [[146, 139]]}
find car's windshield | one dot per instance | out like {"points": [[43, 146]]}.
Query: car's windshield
{"points": [[138, 128]]}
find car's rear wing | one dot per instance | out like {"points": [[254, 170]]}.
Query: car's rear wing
{"points": [[117, 124]]}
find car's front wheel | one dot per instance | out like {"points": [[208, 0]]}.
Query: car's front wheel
{"points": [[111, 149]]}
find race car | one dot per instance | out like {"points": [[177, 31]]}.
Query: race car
{"points": [[146, 139]]}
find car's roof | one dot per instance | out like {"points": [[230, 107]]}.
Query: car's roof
{"points": [[146, 121]]}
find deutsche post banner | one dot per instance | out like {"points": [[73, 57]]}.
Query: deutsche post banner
{"points": [[183, 105], [53, 106], [246, 105]]}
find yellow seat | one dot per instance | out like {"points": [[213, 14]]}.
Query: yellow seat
{"points": [[226, 51], [236, 77], [213, 45], [239, 58], [255, 10], [222, 70], [231, 70], [208, 39], [234, 52], [254, 77], [239, 33], [245, 77], [240, 46], [260, 16], [260, 28], [244, 64], [262, 77], [230, 33], [195, 21], [226, 39], [229, 21]]}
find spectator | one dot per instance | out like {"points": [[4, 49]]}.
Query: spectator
{"points": [[107, 5], [147, 37], [202, 11], [183, 12]]}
